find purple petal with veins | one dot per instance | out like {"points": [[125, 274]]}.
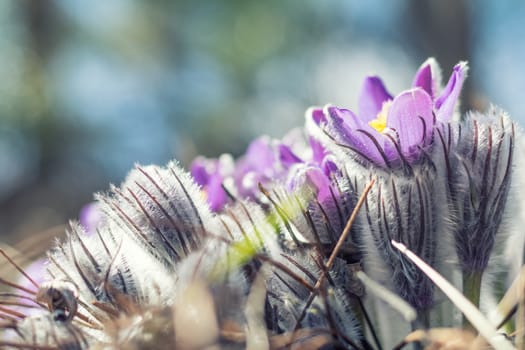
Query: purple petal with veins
{"points": [[361, 137], [371, 98], [446, 102], [424, 79], [410, 116]]}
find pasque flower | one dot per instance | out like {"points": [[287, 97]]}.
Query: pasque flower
{"points": [[318, 182], [478, 163], [389, 133], [291, 161], [316, 168], [386, 130], [222, 179], [386, 134]]}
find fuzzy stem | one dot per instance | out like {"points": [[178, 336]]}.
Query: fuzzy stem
{"points": [[471, 290]]}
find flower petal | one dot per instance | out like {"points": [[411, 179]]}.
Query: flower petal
{"points": [[360, 137], [428, 77], [320, 182], [215, 193], [260, 155], [446, 102], [317, 115], [198, 170], [329, 166], [318, 151], [286, 156], [373, 94], [411, 117]]}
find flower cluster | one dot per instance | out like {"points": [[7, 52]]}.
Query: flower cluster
{"points": [[266, 251]]}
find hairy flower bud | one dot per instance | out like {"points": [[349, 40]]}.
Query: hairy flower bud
{"points": [[478, 156]]}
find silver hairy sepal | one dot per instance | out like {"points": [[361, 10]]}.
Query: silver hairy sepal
{"points": [[478, 154]]}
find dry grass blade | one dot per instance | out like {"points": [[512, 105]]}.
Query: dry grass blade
{"points": [[349, 224], [508, 304], [476, 318]]}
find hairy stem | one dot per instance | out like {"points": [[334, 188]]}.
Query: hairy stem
{"points": [[471, 290]]}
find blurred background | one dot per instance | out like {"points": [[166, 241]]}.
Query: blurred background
{"points": [[89, 88]]}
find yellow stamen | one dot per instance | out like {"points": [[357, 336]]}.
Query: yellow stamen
{"points": [[380, 122]]}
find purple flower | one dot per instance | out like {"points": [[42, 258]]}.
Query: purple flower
{"points": [[265, 162], [210, 175], [391, 130], [241, 178], [318, 195], [316, 169], [260, 164]]}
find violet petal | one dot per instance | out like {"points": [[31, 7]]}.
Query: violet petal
{"points": [[329, 167], [198, 170], [423, 79], [260, 155], [215, 194], [317, 115], [320, 182], [446, 102], [286, 156], [411, 117], [318, 151], [358, 135], [371, 98]]}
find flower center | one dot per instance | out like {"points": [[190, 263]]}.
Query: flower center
{"points": [[380, 122]]}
